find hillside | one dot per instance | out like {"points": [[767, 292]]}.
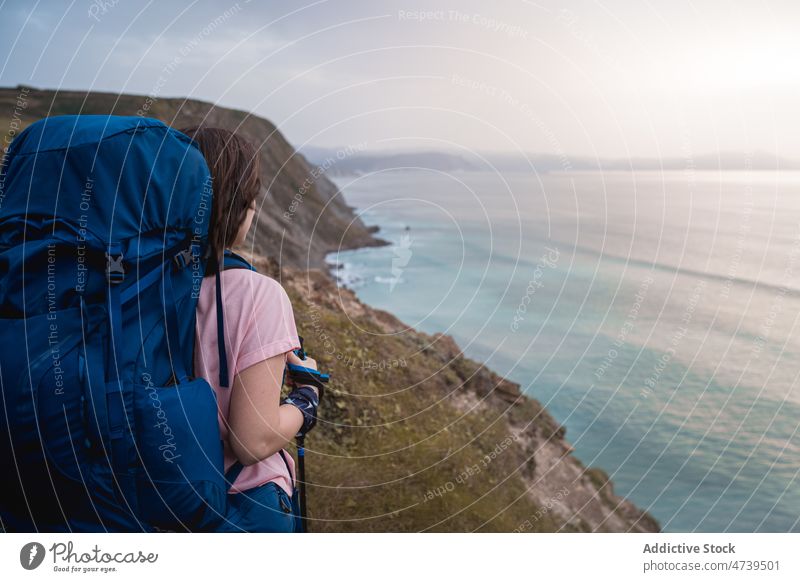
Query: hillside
{"points": [[413, 436], [299, 235]]}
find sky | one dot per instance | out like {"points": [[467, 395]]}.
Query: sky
{"points": [[605, 79]]}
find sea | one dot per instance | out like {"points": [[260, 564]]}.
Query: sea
{"points": [[654, 314]]}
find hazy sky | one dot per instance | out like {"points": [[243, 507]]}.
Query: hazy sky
{"points": [[632, 78]]}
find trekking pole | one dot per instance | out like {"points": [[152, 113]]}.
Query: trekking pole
{"points": [[316, 379], [301, 473]]}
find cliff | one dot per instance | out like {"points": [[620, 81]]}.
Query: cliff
{"points": [[413, 436], [303, 214]]}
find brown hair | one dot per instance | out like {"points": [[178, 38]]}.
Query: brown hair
{"points": [[236, 181]]}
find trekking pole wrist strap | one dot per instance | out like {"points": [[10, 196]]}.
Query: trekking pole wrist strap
{"points": [[306, 400]]}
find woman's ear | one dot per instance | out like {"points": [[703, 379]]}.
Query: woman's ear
{"points": [[246, 223]]}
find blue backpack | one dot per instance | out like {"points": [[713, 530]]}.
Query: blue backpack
{"points": [[103, 247]]}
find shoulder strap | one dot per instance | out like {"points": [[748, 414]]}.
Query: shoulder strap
{"points": [[230, 260], [288, 468], [233, 473], [222, 354], [233, 261]]}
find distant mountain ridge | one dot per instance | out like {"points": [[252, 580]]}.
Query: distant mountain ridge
{"points": [[365, 162]]}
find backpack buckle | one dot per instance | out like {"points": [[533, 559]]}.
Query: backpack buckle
{"points": [[184, 257], [115, 272]]}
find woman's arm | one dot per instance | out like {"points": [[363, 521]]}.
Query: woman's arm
{"points": [[258, 425]]}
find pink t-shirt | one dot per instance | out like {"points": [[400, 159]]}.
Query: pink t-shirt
{"points": [[259, 324]]}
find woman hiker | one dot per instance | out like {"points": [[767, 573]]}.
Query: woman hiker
{"points": [[260, 338]]}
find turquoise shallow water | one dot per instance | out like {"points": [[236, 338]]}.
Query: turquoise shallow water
{"points": [[654, 314]]}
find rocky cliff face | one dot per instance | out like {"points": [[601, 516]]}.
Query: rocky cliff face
{"points": [[413, 435]]}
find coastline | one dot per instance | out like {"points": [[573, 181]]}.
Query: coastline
{"points": [[575, 497]]}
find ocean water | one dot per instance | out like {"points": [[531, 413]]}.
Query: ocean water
{"points": [[654, 314]]}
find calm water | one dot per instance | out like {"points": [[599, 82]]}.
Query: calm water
{"points": [[655, 315]]}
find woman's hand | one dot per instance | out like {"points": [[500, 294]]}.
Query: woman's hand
{"points": [[309, 362]]}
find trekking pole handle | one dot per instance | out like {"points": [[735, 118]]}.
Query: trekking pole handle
{"points": [[304, 375]]}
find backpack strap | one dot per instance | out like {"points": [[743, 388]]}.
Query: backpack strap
{"points": [[182, 256], [288, 468], [233, 473], [223, 357], [121, 443], [230, 260], [115, 274], [173, 333]]}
